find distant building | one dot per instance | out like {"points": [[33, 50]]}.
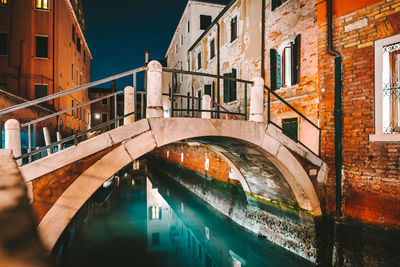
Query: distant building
{"points": [[195, 19], [43, 50]]}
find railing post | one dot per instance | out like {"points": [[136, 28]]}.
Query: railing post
{"points": [[129, 104], [257, 100], [134, 97], [59, 138], [115, 112], [154, 107], [47, 140], [29, 143], [245, 101], [206, 105], [13, 138]]}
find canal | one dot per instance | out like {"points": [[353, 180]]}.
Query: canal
{"points": [[150, 220]]}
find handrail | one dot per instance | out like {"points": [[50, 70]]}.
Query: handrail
{"points": [[207, 75], [290, 106], [73, 137], [67, 110], [66, 92]]}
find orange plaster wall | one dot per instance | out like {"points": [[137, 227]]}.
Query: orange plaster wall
{"points": [[341, 7]]}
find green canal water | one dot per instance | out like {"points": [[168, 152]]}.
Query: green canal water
{"points": [[138, 222]]}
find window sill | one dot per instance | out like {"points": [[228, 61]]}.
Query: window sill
{"points": [[41, 57], [384, 138], [42, 10]]}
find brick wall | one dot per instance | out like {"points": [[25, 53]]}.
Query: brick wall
{"points": [[370, 169], [194, 158]]}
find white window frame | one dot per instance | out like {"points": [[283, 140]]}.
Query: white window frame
{"points": [[280, 51], [379, 135]]}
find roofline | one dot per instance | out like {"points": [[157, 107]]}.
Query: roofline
{"points": [[227, 7], [180, 21], [69, 5]]}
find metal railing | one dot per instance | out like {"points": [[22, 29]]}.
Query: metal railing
{"points": [[110, 123], [217, 108]]}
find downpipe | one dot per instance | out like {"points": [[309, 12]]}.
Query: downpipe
{"points": [[338, 112]]}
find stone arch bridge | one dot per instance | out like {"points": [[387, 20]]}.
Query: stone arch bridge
{"points": [[62, 182]]}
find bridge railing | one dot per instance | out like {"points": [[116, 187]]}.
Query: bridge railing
{"points": [[74, 112], [252, 104]]}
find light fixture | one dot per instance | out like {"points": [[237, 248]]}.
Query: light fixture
{"points": [[97, 116]]}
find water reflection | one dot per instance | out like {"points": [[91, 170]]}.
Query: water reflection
{"points": [[155, 222]]}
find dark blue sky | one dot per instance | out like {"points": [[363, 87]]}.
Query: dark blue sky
{"points": [[119, 31]]}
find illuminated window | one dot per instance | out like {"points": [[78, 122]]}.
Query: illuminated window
{"points": [[387, 89], [285, 65], [155, 213], [42, 4], [3, 2]]}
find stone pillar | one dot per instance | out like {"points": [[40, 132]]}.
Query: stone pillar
{"points": [[47, 139], [206, 105], [59, 138], [12, 130], [154, 107], [129, 104], [257, 100]]}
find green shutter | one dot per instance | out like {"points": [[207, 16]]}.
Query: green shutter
{"points": [[232, 91], [296, 61], [226, 89], [273, 59], [207, 89]]}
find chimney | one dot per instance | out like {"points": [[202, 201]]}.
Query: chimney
{"points": [[146, 56]]}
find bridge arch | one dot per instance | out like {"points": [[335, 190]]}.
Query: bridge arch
{"points": [[129, 143]]}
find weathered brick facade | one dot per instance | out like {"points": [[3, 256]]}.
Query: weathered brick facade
{"points": [[370, 169]]}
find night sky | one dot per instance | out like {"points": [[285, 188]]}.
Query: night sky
{"points": [[119, 31]]}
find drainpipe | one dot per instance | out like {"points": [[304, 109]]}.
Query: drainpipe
{"points": [[263, 39], [338, 111], [218, 67], [54, 48]]}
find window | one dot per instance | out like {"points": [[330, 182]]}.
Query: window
{"points": [[199, 99], [155, 238], [276, 3], [104, 101], [72, 105], [155, 213], [207, 89], [84, 56], [285, 66], [230, 87], [40, 90], [212, 49], [181, 40], [41, 46], [290, 127], [387, 89], [3, 43], [72, 73], [188, 26], [233, 29], [3, 2], [205, 21], [41, 4], [199, 60], [176, 48], [78, 44], [73, 33], [104, 117]]}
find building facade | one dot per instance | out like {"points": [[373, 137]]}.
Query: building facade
{"points": [[43, 51], [195, 19], [366, 37]]}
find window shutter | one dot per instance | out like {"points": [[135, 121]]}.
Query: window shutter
{"points": [[273, 66], [296, 61], [232, 91], [226, 89]]}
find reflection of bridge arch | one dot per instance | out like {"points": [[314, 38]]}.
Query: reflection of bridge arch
{"points": [[134, 140]]}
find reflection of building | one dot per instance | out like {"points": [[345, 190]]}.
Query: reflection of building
{"points": [[158, 218], [43, 51]]}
